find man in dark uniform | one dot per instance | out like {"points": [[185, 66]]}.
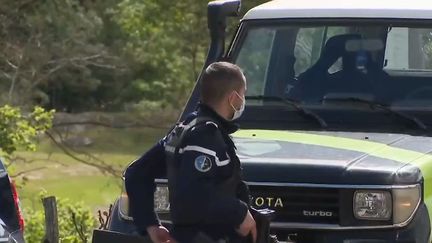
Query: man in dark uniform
{"points": [[207, 196]]}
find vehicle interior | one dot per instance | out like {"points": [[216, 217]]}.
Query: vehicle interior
{"points": [[315, 65]]}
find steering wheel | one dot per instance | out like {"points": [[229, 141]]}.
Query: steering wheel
{"points": [[422, 93]]}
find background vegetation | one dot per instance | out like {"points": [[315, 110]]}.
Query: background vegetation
{"points": [[116, 73]]}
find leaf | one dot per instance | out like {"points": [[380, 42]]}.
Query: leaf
{"points": [[20, 131]]}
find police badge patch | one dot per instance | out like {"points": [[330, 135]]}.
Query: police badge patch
{"points": [[203, 163]]}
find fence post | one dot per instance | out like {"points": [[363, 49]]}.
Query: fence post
{"points": [[51, 220]]}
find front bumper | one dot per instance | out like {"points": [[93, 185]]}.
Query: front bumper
{"points": [[417, 231]]}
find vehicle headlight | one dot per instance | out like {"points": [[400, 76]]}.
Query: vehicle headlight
{"points": [[161, 199], [405, 202], [373, 205], [399, 204]]}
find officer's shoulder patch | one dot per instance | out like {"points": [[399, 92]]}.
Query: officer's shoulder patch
{"points": [[203, 163]]}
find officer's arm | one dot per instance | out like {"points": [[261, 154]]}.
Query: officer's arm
{"points": [[198, 200], [140, 186], [243, 193]]}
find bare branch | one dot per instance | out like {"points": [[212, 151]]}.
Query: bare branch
{"points": [[47, 75], [80, 62], [86, 58], [17, 70], [5, 74], [104, 221], [27, 171], [11, 64], [76, 151], [106, 66], [74, 59], [14, 159], [102, 124], [14, 79], [102, 167]]}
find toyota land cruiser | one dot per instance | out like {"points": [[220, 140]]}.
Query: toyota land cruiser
{"points": [[336, 136]]}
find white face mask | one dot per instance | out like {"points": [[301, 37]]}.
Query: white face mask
{"points": [[239, 112]]}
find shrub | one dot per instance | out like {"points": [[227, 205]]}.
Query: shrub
{"points": [[76, 222]]}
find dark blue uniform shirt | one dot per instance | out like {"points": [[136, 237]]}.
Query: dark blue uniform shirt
{"points": [[207, 192]]}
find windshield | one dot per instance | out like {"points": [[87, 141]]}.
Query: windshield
{"points": [[311, 63]]}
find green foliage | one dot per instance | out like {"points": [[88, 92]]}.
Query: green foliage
{"points": [[54, 55], [75, 55], [169, 40], [76, 222], [19, 131]]}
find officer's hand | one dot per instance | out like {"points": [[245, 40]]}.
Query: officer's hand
{"points": [[248, 227], [160, 234]]}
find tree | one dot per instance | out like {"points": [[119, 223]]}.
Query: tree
{"points": [[19, 131], [169, 41], [77, 55], [51, 54]]}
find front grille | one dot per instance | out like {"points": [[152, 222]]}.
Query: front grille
{"points": [[294, 204]]}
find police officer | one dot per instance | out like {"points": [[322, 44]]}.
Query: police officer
{"points": [[207, 196]]}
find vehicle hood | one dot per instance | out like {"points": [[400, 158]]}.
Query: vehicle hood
{"points": [[332, 157]]}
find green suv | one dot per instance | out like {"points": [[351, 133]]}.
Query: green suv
{"points": [[336, 135]]}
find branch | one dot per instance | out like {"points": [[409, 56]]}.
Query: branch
{"points": [[86, 58], [17, 70], [104, 221], [106, 66], [78, 228], [102, 124], [76, 151], [11, 64], [50, 72], [73, 59], [104, 168], [27, 171], [63, 62], [24, 160], [45, 76], [5, 74]]}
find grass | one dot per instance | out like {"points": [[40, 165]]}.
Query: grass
{"points": [[94, 191], [59, 175], [113, 141]]}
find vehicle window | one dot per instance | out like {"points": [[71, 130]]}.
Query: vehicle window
{"points": [[408, 49], [385, 63], [307, 48], [334, 31], [309, 44], [254, 58]]}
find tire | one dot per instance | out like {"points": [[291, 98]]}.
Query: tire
{"points": [[118, 224]]}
